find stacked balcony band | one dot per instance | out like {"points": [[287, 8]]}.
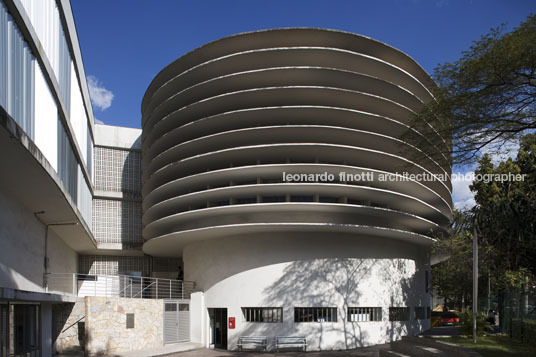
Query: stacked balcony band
{"points": [[225, 122]]}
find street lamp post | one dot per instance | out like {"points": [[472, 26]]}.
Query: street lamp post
{"points": [[475, 282]]}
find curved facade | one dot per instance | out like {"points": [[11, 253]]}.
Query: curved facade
{"points": [[273, 163]]}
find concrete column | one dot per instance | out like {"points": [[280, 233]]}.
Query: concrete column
{"points": [[46, 329], [197, 322]]}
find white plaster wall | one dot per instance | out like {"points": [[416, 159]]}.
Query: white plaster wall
{"points": [[311, 270], [23, 246], [197, 317], [46, 119], [61, 258], [116, 136]]}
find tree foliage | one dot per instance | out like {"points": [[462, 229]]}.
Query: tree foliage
{"points": [[505, 215], [485, 99], [452, 278], [505, 218]]}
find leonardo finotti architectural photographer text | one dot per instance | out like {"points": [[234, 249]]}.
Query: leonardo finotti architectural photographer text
{"points": [[404, 176]]}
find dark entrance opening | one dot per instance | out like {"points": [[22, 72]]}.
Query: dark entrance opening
{"points": [[218, 327]]}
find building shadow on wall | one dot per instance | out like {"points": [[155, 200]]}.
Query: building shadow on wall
{"points": [[131, 226], [338, 282]]}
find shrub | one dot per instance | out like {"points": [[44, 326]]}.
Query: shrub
{"points": [[524, 331], [466, 324]]}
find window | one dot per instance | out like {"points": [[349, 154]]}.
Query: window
{"points": [[247, 200], [398, 313], [315, 314], [359, 314], [273, 199], [420, 313], [428, 312], [271, 180], [219, 203], [302, 199], [426, 281], [184, 307], [327, 199], [263, 314], [170, 307]]}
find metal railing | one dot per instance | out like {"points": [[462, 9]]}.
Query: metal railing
{"points": [[118, 286]]}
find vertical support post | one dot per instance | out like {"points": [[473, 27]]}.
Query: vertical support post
{"points": [[74, 284], [157, 288], [95, 285], [169, 288], [475, 282]]}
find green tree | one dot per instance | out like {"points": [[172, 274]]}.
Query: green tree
{"points": [[452, 278], [505, 215], [485, 99]]}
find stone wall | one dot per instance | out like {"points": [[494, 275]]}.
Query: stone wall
{"points": [[68, 326], [106, 325]]}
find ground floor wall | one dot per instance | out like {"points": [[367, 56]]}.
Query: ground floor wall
{"points": [[311, 271], [117, 325], [22, 235], [68, 321]]}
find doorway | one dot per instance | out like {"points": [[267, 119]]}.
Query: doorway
{"points": [[218, 327], [176, 321]]}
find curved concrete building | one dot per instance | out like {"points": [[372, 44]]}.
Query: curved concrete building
{"points": [[273, 163]]}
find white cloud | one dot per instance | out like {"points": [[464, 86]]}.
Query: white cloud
{"points": [[98, 121], [461, 194], [502, 153], [100, 96]]}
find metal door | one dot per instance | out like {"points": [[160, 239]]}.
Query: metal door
{"points": [[218, 327], [176, 321], [4, 330]]}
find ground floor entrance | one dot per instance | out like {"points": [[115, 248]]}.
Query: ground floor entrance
{"points": [[19, 329], [218, 327], [176, 321]]}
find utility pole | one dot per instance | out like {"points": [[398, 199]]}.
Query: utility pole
{"points": [[475, 282]]}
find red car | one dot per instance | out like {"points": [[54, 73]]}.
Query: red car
{"points": [[449, 318]]}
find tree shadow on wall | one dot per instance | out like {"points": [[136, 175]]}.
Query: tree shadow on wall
{"points": [[337, 283]]}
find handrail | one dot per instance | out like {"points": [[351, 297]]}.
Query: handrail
{"points": [[118, 285], [141, 291]]}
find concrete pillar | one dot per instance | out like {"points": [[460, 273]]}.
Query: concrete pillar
{"points": [[197, 320], [46, 329]]}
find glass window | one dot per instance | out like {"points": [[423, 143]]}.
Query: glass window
{"points": [[315, 314]]}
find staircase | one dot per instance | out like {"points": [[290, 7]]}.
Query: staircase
{"points": [[425, 347]]}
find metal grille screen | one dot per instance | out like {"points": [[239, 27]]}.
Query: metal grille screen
{"points": [[117, 221], [113, 265], [117, 170]]}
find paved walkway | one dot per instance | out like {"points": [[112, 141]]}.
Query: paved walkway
{"points": [[166, 350], [373, 351]]}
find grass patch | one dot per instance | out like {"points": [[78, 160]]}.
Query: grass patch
{"points": [[495, 346]]}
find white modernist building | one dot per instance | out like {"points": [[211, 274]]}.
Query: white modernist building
{"points": [[272, 164], [268, 173]]}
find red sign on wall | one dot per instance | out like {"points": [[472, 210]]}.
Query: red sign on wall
{"points": [[231, 322]]}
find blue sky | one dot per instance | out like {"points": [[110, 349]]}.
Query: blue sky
{"points": [[125, 43]]}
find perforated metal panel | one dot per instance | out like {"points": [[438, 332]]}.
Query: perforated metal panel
{"points": [[117, 221], [117, 170]]}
